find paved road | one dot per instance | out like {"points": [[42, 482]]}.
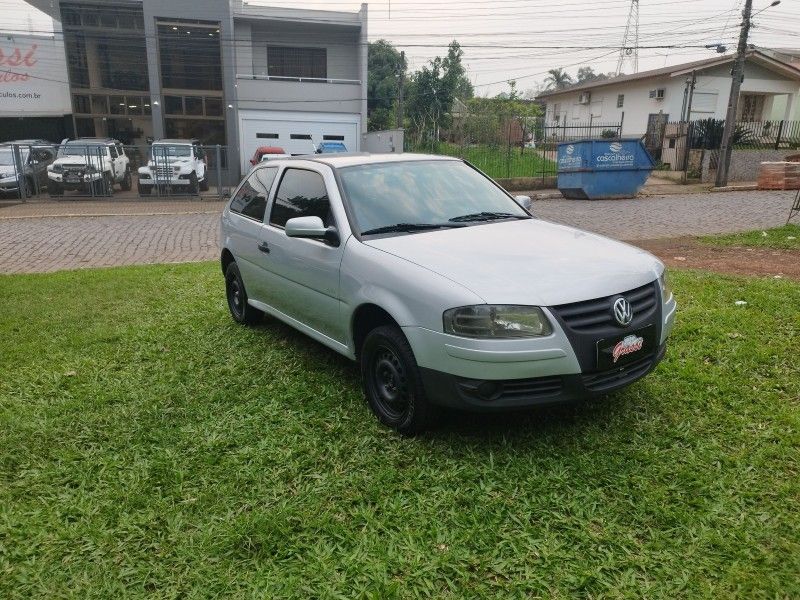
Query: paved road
{"points": [[35, 239]]}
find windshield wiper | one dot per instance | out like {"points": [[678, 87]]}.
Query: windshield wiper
{"points": [[409, 227], [487, 216]]}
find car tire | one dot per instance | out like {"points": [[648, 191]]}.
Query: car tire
{"points": [[393, 384], [55, 189], [144, 190], [193, 186], [236, 295], [27, 191], [204, 183], [127, 182]]}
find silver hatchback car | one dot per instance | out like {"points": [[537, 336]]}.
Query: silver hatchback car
{"points": [[446, 289]]}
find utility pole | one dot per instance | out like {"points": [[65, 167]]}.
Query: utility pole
{"points": [[737, 76], [401, 77]]}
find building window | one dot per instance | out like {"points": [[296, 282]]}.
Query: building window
{"points": [[81, 104], [190, 56], [283, 61], [214, 107], [173, 105], [333, 138], [300, 136], [267, 136], [620, 100], [194, 105]]}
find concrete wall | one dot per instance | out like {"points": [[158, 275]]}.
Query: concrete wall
{"points": [[745, 164]]}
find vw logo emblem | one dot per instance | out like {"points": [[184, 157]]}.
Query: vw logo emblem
{"points": [[623, 312]]}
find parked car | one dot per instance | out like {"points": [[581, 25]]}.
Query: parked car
{"points": [[34, 157], [91, 166], [331, 147], [177, 164], [445, 288], [263, 153]]}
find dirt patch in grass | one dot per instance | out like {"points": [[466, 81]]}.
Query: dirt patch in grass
{"points": [[688, 252]]}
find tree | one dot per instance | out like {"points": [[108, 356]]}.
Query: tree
{"points": [[385, 64], [558, 79], [586, 74], [433, 89]]}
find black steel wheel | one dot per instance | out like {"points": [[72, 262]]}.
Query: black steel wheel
{"points": [[236, 295], [392, 382]]}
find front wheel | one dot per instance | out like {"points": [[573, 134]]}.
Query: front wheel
{"points": [[143, 189], [127, 183], [193, 184], [241, 311], [55, 189], [392, 382], [204, 183]]}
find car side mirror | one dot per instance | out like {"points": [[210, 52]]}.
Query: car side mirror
{"points": [[525, 202], [313, 228]]}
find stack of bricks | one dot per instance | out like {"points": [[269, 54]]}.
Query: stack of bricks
{"points": [[779, 176]]}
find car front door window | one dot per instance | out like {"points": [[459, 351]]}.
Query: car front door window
{"points": [[301, 193]]}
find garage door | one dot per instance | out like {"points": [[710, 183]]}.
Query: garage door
{"points": [[295, 132]]}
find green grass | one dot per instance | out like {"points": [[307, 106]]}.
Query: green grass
{"points": [[786, 237], [149, 447], [496, 161]]}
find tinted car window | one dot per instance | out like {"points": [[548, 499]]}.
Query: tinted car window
{"points": [[301, 194], [251, 199], [113, 150]]}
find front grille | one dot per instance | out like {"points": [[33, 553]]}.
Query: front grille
{"points": [[593, 316], [512, 389], [163, 172], [613, 378]]}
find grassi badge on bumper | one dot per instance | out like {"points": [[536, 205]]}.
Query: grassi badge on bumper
{"points": [[628, 345]]}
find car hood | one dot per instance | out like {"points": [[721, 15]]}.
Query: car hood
{"points": [[78, 161], [172, 162], [527, 262]]}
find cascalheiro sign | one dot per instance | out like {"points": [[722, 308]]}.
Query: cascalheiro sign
{"points": [[568, 160], [615, 156]]}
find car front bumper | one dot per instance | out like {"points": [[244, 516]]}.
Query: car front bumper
{"points": [[485, 375], [486, 395]]}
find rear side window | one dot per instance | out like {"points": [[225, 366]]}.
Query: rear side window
{"points": [[113, 150], [251, 199], [301, 194]]}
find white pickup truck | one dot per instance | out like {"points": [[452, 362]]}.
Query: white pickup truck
{"points": [[91, 166], [174, 164]]}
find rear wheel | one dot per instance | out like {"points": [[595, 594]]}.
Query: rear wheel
{"points": [[127, 183], [392, 382], [193, 184], [241, 311]]}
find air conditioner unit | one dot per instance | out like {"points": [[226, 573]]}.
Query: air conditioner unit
{"points": [[657, 94], [585, 98]]}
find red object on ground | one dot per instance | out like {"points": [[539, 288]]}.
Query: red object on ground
{"points": [[262, 150]]}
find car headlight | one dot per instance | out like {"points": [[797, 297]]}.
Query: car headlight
{"points": [[666, 290], [498, 321], [176, 169]]}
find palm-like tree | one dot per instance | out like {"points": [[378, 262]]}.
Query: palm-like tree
{"points": [[558, 79]]}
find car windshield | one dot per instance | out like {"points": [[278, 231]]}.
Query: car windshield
{"points": [[81, 150], [7, 156], [423, 192], [162, 150]]}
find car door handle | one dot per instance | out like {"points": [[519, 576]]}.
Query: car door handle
{"points": [[264, 247]]}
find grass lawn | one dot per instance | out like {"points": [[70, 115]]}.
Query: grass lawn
{"points": [[786, 237], [150, 447], [496, 162]]}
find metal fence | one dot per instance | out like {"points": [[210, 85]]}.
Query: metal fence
{"points": [[674, 140], [509, 148], [40, 169]]}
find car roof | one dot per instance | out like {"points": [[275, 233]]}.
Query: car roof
{"points": [[271, 150], [176, 141], [28, 142], [351, 159], [93, 140]]}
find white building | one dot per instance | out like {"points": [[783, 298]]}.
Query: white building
{"points": [[644, 100]]}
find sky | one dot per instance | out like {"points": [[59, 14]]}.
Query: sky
{"points": [[522, 39]]}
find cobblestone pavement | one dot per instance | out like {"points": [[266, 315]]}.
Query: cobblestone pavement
{"points": [[39, 208], [671, 216], [40, 242], [55, 243]]}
